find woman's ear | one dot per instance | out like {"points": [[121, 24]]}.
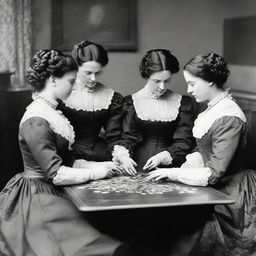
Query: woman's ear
{"points": [[52, 79]]}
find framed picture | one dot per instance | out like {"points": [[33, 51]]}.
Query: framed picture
{"points": [[240, 40], [112, 23]]}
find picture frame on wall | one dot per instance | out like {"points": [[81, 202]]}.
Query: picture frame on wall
{"points": [[111, 23], [240, 33]]}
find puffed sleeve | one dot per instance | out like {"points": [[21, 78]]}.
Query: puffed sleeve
{"points": [[226, 136], [183, 140], [131, 134], [40, 140], [113, 124]]}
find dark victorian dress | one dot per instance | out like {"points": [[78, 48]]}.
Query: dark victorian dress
{"points": [[90, 111], [153, 125], [35, 216], [220, 133]]}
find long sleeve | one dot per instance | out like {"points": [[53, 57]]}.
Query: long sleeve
{"points": [[226, 137], [113, 124], [40, 140], [183, 141], [131, 135]]}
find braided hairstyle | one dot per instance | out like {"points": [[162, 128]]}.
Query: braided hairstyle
{"points": [[209, 66], [48, 63], [157, 60], [87, 51]]}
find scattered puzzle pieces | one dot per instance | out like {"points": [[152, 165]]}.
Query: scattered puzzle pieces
{"points": [[136, 184]]}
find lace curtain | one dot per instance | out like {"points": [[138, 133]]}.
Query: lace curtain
{"points": [[15, 39]]}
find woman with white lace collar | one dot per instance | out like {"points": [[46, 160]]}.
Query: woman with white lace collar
{"points": [[92, 106], [218, 160], [157, 126], [35, 216]]}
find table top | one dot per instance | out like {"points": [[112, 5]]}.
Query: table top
{"points": [[127, 192]]}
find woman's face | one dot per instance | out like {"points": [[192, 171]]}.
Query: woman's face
{"points": [[89, 73], [159, 81], [198, 87], [64, 84]]}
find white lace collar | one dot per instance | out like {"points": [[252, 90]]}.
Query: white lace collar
{"points": [[220, 106], [164, 108], [52, 103], [81, 98], [57, 121], [218, 98]]}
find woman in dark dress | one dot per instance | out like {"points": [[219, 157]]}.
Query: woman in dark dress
{"points": [[218, 161], [157, 126], [35, 216], [157, 131], [92, 106]]}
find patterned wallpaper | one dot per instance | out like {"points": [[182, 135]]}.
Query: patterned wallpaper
{"points": [[15, 38]]}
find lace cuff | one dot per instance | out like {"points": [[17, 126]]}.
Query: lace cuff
{"points": [[194, 177], [166, 158], [118, 152], [67, 176], [193, 160]]}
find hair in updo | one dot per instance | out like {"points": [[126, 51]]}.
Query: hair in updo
{"points": [[209, 66], [157, 60], [87, 51], [48, 63]]}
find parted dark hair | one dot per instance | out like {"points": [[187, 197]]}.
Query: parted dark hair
{"points": [[89, 51], [209, 66], [157, 60], [48, 63]]}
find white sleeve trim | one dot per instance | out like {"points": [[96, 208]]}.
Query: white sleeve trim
{"points": [[194, 177], [68, 176], [118, 152]]}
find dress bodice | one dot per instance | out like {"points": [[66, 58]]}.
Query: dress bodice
{"points": [[172, 131], [45, 139], [220, 133], [44, 155], [223, 147], [156, 131], [90, 112], [87, 124]]}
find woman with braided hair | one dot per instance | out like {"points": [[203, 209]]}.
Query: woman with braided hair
{"points": [[35, 216], [92, 106], [218, 161]]}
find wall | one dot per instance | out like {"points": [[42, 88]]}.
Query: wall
{"points": [[185, 27], [12, 107]]}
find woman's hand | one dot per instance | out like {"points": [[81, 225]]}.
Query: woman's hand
{"points": [[113, 166], [101, 172], [128, 165], [189, 176], [162, 173], [163, 157], [152, 163], [159, 174]]}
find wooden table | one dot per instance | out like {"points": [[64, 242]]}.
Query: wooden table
{"points": [[135, 192]]}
